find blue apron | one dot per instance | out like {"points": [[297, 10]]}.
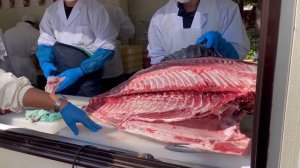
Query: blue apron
{"points": [[66, 57]]}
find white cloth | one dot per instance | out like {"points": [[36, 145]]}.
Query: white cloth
{"points": [[3, 53], [167, 35], [114, 67], [87, 27], [120, 20], [21, 43], [12, 91], [125, 27]]}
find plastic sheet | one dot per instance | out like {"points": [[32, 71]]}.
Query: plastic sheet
{"points": [[193, 51]]}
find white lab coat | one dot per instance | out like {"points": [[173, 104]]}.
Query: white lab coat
{"points": [[2, 47], [125, 27], [12, 91], [3, 54], [166, 34], [21, 43], [87, 27]]}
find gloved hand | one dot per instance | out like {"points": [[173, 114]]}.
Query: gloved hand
{"points": [[216, 41], [72, 76], [72, 115], [48, 68], [44, 54]]}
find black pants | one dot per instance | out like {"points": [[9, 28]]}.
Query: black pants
{"points": [[110, 83], [67, 57]]}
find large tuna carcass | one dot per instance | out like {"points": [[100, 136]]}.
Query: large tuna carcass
{"points": [[198, 102]]}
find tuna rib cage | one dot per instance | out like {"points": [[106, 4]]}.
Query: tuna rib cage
{"points": [[194, 91]]}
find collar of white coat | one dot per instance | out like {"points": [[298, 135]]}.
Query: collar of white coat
{"points": [[201, 14], [202, 7], [75, 11], [78, 4]]}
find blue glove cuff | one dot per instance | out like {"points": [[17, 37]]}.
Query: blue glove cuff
{"points": [[80, 72], [215, 40], [64, 111], [227, 49], [44, 54], [98, 59]]}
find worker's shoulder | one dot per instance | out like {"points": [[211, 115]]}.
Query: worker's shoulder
{"points": [[226, 4], [166, 9], [10, 31], [92, 4], [112, 8], [21, 29], [52, 8]]}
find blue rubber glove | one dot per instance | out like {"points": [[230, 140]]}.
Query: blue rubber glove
{"points": [[45, 56], [44, 53], [71, 76], [48, 68], [72, 115], [216, 41], [97, 60]]}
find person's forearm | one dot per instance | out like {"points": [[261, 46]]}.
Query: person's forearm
{"points": [[97, 61], [44, 54], [39, 99]]}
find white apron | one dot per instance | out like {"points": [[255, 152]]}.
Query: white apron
{"points": [[175, 37], [87, 27], [3, 54]]}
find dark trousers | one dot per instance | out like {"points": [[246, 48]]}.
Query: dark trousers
{"points": [[109, 83]]}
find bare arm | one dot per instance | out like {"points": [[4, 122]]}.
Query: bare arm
{"points": [[16, 93], [39, 99], [70, 113]]}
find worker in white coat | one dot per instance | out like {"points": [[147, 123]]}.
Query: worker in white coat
{"points": [[113, 70], [3, 53], [16, 93], [77, 39], [21, 44], [181, 23]]}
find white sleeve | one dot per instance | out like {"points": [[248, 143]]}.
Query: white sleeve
{"points": [[127, 29], [234, 31], [12, 91], [2, 47], [47, 36], [106, 33], [155, 47]]}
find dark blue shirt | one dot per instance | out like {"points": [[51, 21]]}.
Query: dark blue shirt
{"points": [[68, 10], [187, 17]]}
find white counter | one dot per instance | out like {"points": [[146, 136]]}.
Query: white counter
{"points": [[110, 136], [18, 119]]}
